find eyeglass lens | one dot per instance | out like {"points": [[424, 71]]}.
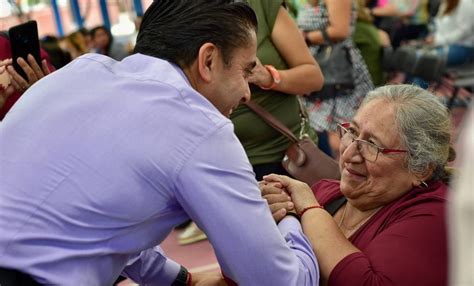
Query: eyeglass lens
{"points": [[366, 149]]}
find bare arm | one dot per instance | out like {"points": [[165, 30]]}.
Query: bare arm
{"points": [[304, 74], [339, 12], [329, 243]]}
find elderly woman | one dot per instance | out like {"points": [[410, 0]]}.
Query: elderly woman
{"points": [[383, 223]]}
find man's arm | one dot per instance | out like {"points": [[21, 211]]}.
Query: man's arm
{"points": [[217, 189], [152, 266]]}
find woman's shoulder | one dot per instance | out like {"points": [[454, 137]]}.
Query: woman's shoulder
{"points": [[421, 201]]}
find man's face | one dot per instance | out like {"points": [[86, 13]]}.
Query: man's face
{"points": [[230, 82]]}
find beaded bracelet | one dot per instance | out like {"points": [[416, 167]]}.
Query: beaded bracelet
{"points": [[308, 208]]}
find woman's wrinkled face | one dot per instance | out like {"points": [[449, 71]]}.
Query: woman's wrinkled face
{"points": [[373, 184]]}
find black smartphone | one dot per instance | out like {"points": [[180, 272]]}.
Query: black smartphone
{"points": [[23, 41]]}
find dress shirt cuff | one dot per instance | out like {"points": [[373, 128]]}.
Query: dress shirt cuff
{"points": [[151, 267], [289, 224], [170, 272]]}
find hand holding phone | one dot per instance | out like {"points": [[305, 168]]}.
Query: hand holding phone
{"points": [[32, 70]]}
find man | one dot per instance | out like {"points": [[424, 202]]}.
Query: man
{"points": [[101, 159]]}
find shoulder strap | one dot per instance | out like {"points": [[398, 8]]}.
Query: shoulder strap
{"points": [[333, 206], [271, 120]]}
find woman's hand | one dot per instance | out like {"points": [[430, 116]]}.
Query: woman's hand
{"points": [[6, 89], [301, 194], [278, 200], [32, 70], [260, 75]]}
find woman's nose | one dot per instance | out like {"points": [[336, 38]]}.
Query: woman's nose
{"points": [[351, 153]]}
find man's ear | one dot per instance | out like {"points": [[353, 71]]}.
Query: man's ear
{"points": [[207, 57]]}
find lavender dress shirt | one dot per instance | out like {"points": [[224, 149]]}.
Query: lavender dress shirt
{"points": [[100, 159]]}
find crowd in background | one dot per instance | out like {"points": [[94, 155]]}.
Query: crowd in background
{"points": [[371, 31]]}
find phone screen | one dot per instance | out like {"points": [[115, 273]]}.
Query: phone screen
{"points": [[23, 41]]}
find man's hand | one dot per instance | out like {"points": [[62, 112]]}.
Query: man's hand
{"points": [[278, 200], [301, 194], [32, 70]]}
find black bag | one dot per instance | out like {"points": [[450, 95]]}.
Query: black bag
{"points": [[334, 61]]}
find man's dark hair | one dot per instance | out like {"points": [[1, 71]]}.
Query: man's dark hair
{"points": [[174, 30]]}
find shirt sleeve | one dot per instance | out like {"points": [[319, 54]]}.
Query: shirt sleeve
{"points": [[152, 267], [218, 190], [411, 251]]}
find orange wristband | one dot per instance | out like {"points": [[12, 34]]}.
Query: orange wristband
{"points": [[275, 77], [308, 208]]}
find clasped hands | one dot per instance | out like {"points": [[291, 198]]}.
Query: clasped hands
{"points": [[284, 194]]}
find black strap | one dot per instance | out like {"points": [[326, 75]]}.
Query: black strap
{"points": [[326, 38], [181, 278], [11, 277], [271, 120], [333, 206]]}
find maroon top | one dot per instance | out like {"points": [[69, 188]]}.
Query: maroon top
{"points": [[404, 243]]}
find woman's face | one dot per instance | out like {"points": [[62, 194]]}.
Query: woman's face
{"points": [[373, 184], [101, 39]]}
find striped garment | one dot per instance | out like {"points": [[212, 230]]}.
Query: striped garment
{"points": [[324, 115]]}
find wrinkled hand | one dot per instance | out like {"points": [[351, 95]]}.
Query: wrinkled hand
{"points": [[260, 75], [278, 200], [208, 278], [32, 70], [6, 89], [301, 194]]}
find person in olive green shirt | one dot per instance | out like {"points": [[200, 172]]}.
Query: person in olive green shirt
{"points": [[293, 72]]}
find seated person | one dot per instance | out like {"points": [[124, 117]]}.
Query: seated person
{"points": [[404, 19], [370, 41], [76, 43], [453, 33], [384, 222], [103, 43]]}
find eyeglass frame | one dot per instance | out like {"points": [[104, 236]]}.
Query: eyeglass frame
{"points": [[343, 127]]}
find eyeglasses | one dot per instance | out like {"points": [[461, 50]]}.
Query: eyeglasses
{"points": [[369, 151]]}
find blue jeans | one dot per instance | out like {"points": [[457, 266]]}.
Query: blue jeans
{"points": [[457, 54]]}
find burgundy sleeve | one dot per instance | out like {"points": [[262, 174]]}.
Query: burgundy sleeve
{"points": [[44, 56], [412, 250]]}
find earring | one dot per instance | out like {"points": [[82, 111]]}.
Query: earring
{"points": [[424, 184]]}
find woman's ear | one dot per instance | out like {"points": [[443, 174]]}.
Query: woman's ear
{"points": [[420, 179], [207, 57]]}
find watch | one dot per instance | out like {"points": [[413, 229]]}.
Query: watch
{"points": [[275, 76], [181, 278]]}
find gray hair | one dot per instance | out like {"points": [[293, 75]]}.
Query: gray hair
{"points": [[424, 126]]}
